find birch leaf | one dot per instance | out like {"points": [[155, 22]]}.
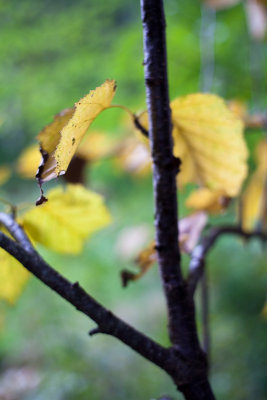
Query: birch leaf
{"points": [[67, 219], [13, 277], [208, 138], [213, 137], [60, 139]]}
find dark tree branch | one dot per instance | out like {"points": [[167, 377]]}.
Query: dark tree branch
{"points": [[107, 322], [16, 231], [164, 174], [205, 314], [197, 262], [180, 306]]}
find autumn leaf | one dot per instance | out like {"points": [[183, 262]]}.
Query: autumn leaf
{"points": [[208, 138], [211, 201], [254, 201], [67, 219], [133, 156], [60, 140], [96, 145], [213, 137], [29, 161], [190, 229]]}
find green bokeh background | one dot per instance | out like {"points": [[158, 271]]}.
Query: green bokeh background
{"points": [[52, 53]]}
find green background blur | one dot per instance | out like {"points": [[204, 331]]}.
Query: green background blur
{"points": [[52, 53]]}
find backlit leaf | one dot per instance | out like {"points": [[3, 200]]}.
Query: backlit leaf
{"points": [[213, 137], [60, 140], [67, 219], [208, 138]]}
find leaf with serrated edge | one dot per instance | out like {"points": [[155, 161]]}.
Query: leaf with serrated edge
{"points": [[213, 136], [67, 219], [208, 138], [60, 139]]}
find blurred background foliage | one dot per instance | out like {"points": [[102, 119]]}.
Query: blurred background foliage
{"points": [[53, 53]]}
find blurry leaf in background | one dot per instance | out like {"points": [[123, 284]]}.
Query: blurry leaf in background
{"points": [[254, 202], [67, 219], [144, 261], [96, 145], [190, 229], [257, 18], [239, 108], [60, 140], [211, 201], [133, 157], [213, 137], [29, 161], [5, 173], [13, 277], [220, 4]]}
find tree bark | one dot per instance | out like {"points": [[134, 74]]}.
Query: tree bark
{"points": [[180, 305]]}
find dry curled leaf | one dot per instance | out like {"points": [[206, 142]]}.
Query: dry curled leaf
{"points": [[67, 219], [144, 261], [190, 229], [60, 140]]}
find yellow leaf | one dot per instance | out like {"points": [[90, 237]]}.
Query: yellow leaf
{"points": [[60, 140], [208, 138], [212, 201], [67, 219], [254, 207], [29, 161], [13, 277], [213, 137], [5, 173]]}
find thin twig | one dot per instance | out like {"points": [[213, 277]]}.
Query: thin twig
{"points": [[196, 266], [107, 322], [205, 314], [16, 231]]}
